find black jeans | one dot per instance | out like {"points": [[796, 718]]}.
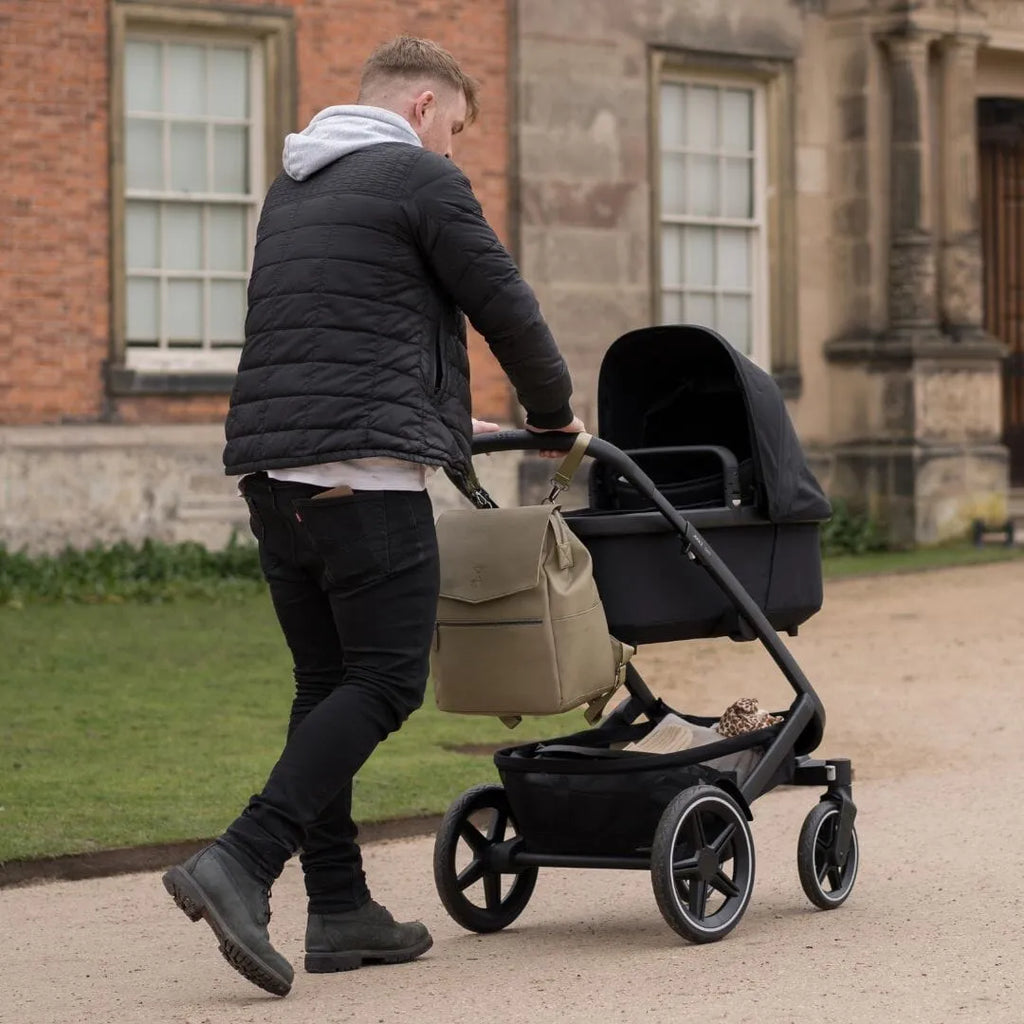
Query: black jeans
{"points": [[354, 582]]}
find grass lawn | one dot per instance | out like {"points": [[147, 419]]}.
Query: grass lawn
{"points": [[945, 557], [124, 724]]}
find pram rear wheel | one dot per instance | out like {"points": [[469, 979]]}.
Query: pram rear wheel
{"points": [[702, 864], [474, 894], [826, 882]]}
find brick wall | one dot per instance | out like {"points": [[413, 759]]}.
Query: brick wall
{"points": [[53, 210], [54, 207], [331, 49]]}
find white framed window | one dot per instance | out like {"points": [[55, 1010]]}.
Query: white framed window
{"points": [[193, 180], [712, 247]]}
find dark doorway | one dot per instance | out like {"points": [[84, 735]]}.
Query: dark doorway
{"points": [[1001, 172]]}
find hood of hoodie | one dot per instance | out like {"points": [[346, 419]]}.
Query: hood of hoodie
{"points": [[338, 131]]}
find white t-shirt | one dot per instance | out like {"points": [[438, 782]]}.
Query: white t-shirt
{"points": [[378, 474]]}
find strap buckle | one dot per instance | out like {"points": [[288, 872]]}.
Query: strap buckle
{"points": [[481, 499], [563, 476]]}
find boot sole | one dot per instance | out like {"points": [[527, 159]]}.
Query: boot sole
{"points": [[193, 903], [351, 960]]}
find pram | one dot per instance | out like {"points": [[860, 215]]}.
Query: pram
{"points": [[702, 521]]}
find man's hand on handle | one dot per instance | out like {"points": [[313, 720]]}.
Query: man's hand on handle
{"points": [[575, 427], [485, 427]]}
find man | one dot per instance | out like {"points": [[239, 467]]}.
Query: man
{"points": [[352, 386]]}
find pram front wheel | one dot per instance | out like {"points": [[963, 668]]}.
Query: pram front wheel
{"points": [[472, 890], [702, 864], [826, 882]]}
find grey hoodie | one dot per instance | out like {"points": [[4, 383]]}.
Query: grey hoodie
{"points": [[337, 131]]}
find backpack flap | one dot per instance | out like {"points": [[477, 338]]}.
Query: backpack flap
{"points": [[520, 625], [487, 554], [493, 651]]}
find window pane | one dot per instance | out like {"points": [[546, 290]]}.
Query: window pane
{"points": [[143, 88], [709, 268], [188, 158], [702, 186], [737, 188], [230, 159], [183, 318], [143, 157], [186, 79], [183, 237], [699, 257], [673, 115], [671, 256], [734, 258], [737, 120], [143, 309], [734, 321], [702, 118], [227, 243], [142, 236], [673, 183], [227, 311], [229, 83], [699, 308], [671, 308]]}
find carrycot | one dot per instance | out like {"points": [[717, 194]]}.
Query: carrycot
{"points": [[711, 430]]}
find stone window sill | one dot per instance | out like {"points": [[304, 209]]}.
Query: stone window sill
{"points": [[127, 382]]}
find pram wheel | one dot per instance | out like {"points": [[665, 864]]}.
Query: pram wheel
{"points": [[826, 883], [702, 864], [479, 818]]}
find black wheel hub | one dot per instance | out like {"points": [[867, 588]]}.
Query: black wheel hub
{"points": [[707, 864], [472, 891]]}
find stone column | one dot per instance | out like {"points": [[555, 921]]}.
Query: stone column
{"points": [[960, 257], [916, 415], [912, 264]]}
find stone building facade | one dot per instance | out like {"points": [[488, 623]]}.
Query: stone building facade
{"points": [[803, 176], [834, 184]]}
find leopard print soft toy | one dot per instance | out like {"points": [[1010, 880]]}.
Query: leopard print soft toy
{"points": [[744, 716]]}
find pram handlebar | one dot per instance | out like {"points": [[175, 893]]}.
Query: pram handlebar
{"points": [[807, 706], [602, 451], [523, 441]]}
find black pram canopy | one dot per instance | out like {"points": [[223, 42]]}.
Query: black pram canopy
{"points": [[686, 385]]}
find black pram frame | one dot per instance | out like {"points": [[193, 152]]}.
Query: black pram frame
{"points": [[704, 826]]}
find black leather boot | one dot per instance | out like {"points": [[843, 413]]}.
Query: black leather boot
{"points": [[369, 935], [215, 886]]}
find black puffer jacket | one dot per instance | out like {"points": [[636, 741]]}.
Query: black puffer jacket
{"points": [[355, 342]]}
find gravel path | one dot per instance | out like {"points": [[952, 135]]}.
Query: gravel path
{"points": [[921, 677]]}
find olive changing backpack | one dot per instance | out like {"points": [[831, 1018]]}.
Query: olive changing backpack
{"points": [[520, 625]]}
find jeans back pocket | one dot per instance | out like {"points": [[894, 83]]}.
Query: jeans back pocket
{"points": [[255, 519], [350, 535]]}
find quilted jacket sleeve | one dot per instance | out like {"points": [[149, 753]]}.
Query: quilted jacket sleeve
{"points": [[482, 278]]}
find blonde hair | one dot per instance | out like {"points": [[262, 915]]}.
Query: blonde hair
{"points": [[408, 57]]}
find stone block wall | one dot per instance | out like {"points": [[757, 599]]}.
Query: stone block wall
{"points": [[894, 390], [76, 485], [583, 145]]}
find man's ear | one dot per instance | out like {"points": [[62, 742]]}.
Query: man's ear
{"points": [[422, 104]]}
